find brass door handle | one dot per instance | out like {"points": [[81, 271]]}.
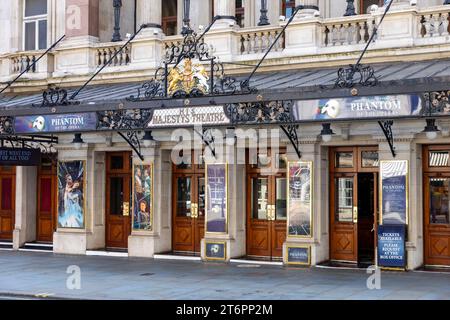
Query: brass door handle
{"points": [[194, 209], [271, 212], [355, 214], [126, 209]]}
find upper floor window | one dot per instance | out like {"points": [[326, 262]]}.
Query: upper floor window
{"points": [[240, 13], [366, 4], [169, 17], [287, 7], [35, 25]]}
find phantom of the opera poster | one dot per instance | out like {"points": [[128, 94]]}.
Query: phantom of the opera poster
{"points": [[142, 195], [71, 194]]}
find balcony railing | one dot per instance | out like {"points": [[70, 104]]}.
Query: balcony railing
{"points": [[105, 52], [317, 38]]}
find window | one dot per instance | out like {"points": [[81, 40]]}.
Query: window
{"points": [[169, 17], [365, 5], [35, 25], [240, 13], [287, 7]]}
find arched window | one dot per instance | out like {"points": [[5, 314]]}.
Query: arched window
{"points": [[169, 17], [35, 25]]}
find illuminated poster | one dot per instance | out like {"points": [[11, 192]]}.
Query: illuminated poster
{"points": [[394, 191], [142, 197], [71, 194], [56, 123], [358, 107], [299, 200], [216, 198]]}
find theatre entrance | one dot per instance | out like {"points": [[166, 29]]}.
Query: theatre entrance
{"points": [[266, 208], [353, 204], [188, 206], [46, 200], [437, 204], [118, 199], [7, 201]]}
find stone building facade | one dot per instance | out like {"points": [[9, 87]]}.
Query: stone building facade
{"points": [[412, 46]]}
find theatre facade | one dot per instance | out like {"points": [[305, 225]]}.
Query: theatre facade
{"points": [[295, 157]]}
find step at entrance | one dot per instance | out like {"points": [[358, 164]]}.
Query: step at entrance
{"points": [[37, 247], [6, 245]]}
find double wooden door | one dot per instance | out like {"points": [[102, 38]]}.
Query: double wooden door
{"points": [[46, 201], [353, 204], [188, 209], [7, 201], [266, 215], [436, 182], [118, 199]]}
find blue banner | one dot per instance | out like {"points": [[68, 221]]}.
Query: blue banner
{"points": [[391, 246], [358, 107], [56, 123], [298, 255]]}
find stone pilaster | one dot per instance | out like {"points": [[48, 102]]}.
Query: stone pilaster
{"points": [[149, 12], [143, 243], [25, 221], [226, 9], [82, 18], [309, 12]]}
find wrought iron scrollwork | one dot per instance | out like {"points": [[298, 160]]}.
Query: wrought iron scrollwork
{"points": [[127, 120], [386, 127], [259, 112], [6, 125], [437, 102], [356, 75], [291, 132], [208, 139], [55, 97], [184, 74]]}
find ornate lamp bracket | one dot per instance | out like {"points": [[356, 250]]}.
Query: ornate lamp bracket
{"points": [[6, 125], [386, 127], [291, 132], [132, 138]]}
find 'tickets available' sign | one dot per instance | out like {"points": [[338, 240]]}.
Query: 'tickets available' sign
{"points": [[391, 246], [20, 157]]}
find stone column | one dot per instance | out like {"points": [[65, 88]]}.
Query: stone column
{"points": [[82, 19], [150, 12], [226, 9], [307, 13], [25, 222]]}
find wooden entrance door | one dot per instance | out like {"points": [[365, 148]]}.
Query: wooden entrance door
{"points": [[353, 212], [436, 205], [7, 201], [266, 211], [46, 201], [118, 199], [188, 206]]}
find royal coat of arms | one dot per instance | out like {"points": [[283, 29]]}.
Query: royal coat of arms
{"points": [[186, 77]]}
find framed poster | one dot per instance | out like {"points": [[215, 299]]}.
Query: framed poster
{"points": [[394, 192], [391, 246], [216, 197], [298, 255], [300, 198], [215, 250], [142, 195], [71, 197]]}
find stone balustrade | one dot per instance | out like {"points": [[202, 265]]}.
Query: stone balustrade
{"points": [[336, 39], [353, 30], [259, 40], [434, 23], [104, 53], [22, 61]]}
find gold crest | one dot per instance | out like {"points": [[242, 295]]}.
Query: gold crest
{"points": [[188, 76]]}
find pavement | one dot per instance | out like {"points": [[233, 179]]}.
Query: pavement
{"points": [[38, 275]]}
